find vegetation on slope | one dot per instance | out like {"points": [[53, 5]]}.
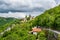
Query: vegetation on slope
{"points": [[50, 18], [21, 32], [6, 22]]}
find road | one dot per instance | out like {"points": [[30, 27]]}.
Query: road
{"points": [[53, 31]]}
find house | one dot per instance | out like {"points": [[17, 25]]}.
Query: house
{"points": [[35, 30]]}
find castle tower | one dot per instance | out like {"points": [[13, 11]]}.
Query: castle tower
{"points": [[25, 19], [31, 17]]}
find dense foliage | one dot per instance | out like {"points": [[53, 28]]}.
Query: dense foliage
{"points": [[21, 32], [6, 22], [50, 18]]}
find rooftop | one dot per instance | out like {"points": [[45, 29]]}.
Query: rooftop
{"points": [[35, 29]]}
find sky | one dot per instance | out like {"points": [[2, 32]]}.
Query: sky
{"points": [[20, 8]]}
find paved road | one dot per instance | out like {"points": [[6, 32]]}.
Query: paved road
{"points": [[53, 31]]}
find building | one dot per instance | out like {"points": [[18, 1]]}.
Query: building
{"points": [[28, 18], [35, 30], [31, 17]]}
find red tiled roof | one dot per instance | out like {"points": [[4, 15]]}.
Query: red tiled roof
{"points": [[36, 29]]}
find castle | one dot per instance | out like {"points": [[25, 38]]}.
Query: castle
{"points": [[28, 18]]}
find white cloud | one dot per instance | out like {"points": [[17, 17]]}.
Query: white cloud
{"points": [[19, 14], [15, 15]]}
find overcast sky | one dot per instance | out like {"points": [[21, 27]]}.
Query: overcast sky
{"points": [[20, 8]]}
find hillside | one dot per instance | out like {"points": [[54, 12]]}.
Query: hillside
{"points": [[6, 22], [50, 18]]}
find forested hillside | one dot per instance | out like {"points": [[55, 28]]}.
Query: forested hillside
{"points": [[6, 22], [21, 32], [50, 18]]}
